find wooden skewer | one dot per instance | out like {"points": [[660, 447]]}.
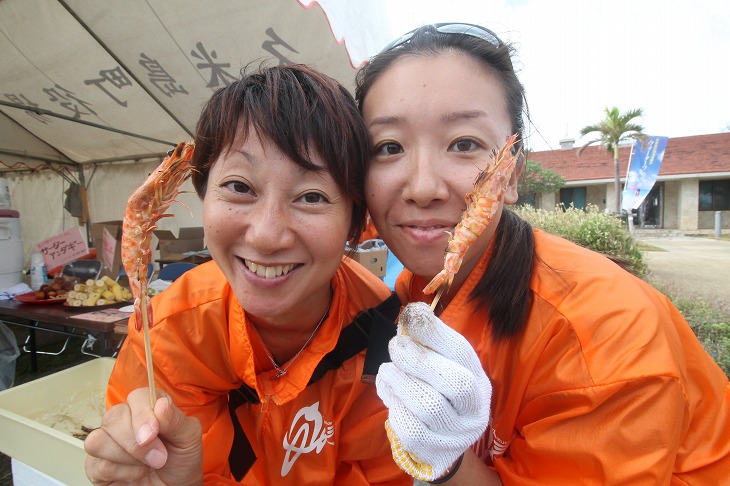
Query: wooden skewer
{"points": [[436, 299], [148, 353]]}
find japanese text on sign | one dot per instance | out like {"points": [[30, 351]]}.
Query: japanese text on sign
{"points": [[63, 248]]}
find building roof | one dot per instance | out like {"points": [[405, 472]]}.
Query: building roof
{"points": [[696, 155]]}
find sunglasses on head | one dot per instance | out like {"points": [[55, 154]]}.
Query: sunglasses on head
{"points": [[472, 30]]}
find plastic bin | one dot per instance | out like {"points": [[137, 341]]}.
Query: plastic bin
{"points": [[73, 396]]}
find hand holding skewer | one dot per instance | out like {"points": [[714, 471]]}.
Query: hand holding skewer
{"points": [[139, 443]]}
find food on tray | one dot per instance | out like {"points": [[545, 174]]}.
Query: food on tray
{"points": [[57, 289], [92, 293]]}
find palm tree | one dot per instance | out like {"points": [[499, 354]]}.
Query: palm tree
{"points": [[611, 131]]}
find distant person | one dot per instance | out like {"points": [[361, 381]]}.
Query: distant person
{"points": [[596, 377]]}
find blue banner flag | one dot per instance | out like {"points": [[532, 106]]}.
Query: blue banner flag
{"points": [[644, 162]]}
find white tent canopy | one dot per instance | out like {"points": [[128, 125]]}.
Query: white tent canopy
{"points": [[98, 91]]}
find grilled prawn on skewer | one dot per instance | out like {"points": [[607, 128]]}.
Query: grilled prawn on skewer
{"points": [[145, 207], [481, 206]]}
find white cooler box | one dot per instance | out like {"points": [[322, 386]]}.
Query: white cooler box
{"points": [[11, 263]]}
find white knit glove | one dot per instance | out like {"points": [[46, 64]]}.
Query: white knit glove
{"points": [[436, 391]]}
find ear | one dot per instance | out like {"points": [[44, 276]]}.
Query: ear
{"points": [[510, 194]]}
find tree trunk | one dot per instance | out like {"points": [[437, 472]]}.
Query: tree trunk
{"points": [[616, 181]]}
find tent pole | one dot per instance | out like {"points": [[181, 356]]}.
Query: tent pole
{"points": [[84, 205], [42, 111]]}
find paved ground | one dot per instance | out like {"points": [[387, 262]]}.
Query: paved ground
{"points": [[698, 266]]}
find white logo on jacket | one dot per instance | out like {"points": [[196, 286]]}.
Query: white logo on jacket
{"points": [[497, 446], [308, 432], [490, 446]]}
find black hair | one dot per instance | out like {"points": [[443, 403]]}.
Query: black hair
{"points": [[503, 292], [301, 111]]}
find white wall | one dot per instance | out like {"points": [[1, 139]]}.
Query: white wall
{"points": [[689, 194], [548, 200], [39, 198], [671, 201]]}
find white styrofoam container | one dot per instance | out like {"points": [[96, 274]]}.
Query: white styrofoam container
{"points": [[48, 450]]}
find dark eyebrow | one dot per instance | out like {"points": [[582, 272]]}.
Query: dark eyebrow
{"points": [[448, 117], [250, 158], [253, 161], [458, 115]]}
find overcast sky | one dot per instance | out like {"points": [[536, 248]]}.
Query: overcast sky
{"points": [[575, 57]]}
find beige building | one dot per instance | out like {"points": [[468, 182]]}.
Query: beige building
{"points": [[692, 186]]}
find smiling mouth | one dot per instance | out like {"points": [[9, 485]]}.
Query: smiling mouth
{"points": [[430, 228], [439, 227], [269, 272]]}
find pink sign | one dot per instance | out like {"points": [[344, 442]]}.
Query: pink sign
{"points": [[109, 244], [63, 248]]}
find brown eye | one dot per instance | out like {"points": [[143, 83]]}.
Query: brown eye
{"points": [[464, 145], [239, 187], [313, 198], [389, 148]]}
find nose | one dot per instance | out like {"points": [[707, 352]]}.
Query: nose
{"points": [[424, 182], [269, 229]]}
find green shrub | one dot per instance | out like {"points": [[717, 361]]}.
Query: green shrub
{"points": [[590, 228]]}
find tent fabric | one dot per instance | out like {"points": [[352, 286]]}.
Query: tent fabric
{"points": [[142, 69], [147, 66]]}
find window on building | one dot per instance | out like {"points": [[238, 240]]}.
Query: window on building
{"points": [[715, 195], [527, 200], [573, 195]]}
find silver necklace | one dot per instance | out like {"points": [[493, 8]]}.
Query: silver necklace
{"points": [[282, 371]]}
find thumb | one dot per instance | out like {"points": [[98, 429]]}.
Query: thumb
{"points": [[177, 428], [421, 324], [183, 438]]}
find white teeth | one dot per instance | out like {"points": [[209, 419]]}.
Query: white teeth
{"points": [[269, 272]]}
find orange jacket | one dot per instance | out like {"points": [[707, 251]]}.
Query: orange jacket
{"points": [[607, 385], [331, 432]]}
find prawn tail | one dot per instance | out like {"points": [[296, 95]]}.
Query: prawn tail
{"points": [[139, 315], [444, 277], [138, 287]]}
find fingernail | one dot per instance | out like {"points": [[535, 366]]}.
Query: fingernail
{"points": [[155, 458], [143, 434]]}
